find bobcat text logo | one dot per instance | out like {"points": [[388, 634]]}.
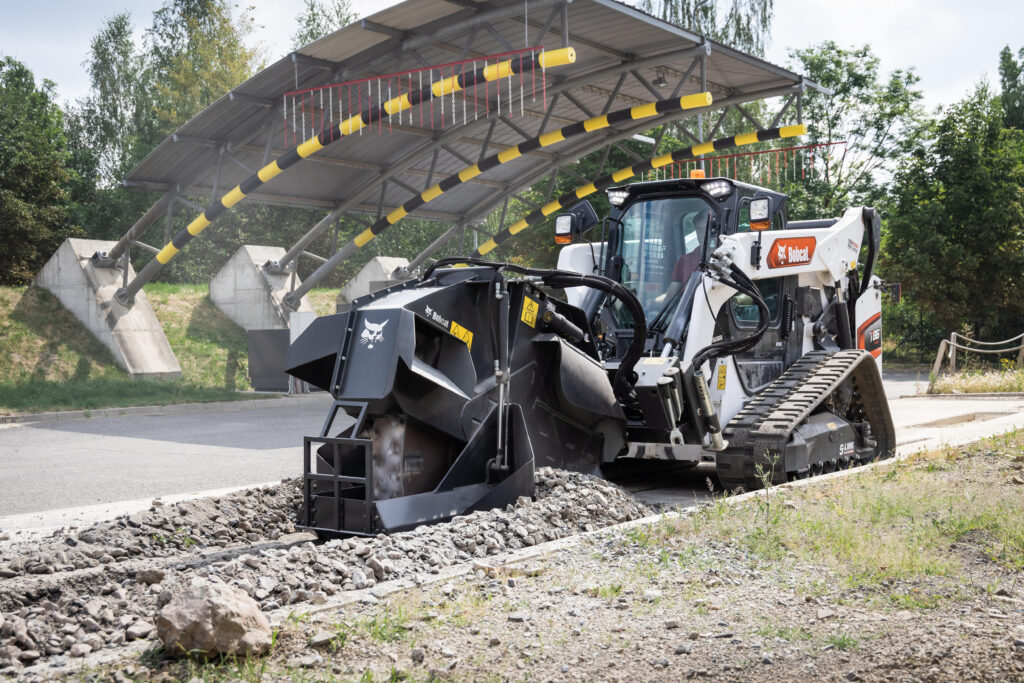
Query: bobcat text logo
{"points": [[793, 251], [372, 333], [435, 316]]}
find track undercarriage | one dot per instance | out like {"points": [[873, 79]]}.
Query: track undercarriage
{"points": [[825, 413]]}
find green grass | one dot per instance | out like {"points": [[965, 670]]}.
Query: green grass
{"points": [[979, 382], [913, 519], [51, 362]]}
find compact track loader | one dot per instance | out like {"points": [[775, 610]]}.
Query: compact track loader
{"points": [[702, 327]]}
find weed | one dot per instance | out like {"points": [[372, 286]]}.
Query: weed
{"points": [[789, 633], [385, 628], [841, 641], [296, 618], [915, 601]]}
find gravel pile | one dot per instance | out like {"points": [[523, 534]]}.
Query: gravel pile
{"points": [[248, 516], [58, 617]]}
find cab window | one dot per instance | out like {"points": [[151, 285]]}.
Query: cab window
{"points": [[744, 310]]}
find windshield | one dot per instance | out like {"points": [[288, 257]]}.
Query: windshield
{"points": [[660, 249]]}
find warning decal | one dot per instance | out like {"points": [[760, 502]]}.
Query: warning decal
{"points": [[529, 314], [722, 369], [460, 332]]}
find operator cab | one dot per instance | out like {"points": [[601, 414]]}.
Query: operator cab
{"points": [[661, 231]]}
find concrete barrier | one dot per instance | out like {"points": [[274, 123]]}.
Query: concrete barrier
{"points": [[132, 335], [249, 294]]}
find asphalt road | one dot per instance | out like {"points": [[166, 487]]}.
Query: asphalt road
{"points": [[104, 466], [49, 465]]}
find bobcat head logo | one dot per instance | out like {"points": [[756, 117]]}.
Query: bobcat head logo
{"points": [[372, 333]]}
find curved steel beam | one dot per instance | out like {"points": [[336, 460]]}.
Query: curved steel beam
{"points": [[126, 295], [618, 176], [699, 100]]}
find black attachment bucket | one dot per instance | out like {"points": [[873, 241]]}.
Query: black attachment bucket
{"points": [[465, 487], [338, 495]]}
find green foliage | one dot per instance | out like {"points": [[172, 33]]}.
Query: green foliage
{"points": [[956, 237], [319, 19], [743, 24], [1011, 78], [33, 174], [911, 333], [198, 52], [879, 116]]}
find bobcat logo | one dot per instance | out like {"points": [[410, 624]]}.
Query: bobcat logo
{"points": [[372, 333]]}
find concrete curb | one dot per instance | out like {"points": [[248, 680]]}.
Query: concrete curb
{"points": [[169, 409]]}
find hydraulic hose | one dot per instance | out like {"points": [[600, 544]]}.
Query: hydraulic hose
{"points": [[625, 377], [739, 281]]}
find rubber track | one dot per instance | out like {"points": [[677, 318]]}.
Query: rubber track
{"points": [[763, 428]]}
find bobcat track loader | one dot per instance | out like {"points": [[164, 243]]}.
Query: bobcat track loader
{"points": [[702, 327]]}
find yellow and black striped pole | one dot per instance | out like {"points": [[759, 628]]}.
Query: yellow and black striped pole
{"points": [[640, 111], [606, 181], [353, 124]]}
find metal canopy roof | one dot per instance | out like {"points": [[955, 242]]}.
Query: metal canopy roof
{"points": [[620, 50]]}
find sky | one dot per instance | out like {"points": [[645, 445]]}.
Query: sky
{"points": [[950, 43]]}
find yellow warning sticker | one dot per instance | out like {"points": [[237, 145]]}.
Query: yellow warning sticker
{"points": [[529, 314], [652, 361], [722, 369], [460, 332]]}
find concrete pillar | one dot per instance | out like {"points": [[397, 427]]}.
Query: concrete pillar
{"points": [[133, 335], [251, 296], [378, 273]]}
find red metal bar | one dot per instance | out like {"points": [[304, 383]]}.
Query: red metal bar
{"points": [[440, 67]]}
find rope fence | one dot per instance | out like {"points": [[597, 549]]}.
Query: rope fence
{"points": [[958, 342]]}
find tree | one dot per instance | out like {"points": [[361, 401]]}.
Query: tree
{"points": [[742, 24], [878, 117], [194, 52], [33, 179], [116, 117], [319, 19], [1011, 77], [956, 235], [197, 52]]}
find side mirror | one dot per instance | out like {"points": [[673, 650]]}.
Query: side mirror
{"points": [[576, 221]]}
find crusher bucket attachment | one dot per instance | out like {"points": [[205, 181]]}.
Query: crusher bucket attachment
{"points": [[448, 392], [341, 491]]}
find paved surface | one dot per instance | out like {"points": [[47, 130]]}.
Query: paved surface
{"points": [[56, 473], [50, 465]]}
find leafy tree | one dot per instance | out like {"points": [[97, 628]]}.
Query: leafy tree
{"points": [[319, 19], [116, 116], [743, 24], [878, 116], [197, 52], [1011, 77], [956, 236], [33, 179]]}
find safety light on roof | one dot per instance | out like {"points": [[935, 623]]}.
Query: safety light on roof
{"points": [[617, 197], [717, 188]]}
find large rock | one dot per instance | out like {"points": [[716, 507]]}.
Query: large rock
{"points": [[213, 619]]}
